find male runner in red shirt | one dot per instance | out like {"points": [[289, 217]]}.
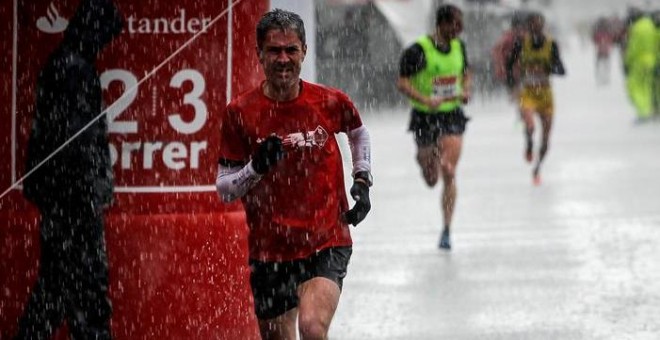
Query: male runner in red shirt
{"points": [[280, 156]]}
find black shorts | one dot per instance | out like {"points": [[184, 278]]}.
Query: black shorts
{"points": [[427, 128], [275, 284]]}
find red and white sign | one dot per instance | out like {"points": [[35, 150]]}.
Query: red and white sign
{"points": [[162, 128], [177, 254], [169, 69]]}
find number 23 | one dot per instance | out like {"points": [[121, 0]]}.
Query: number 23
{"points": [[176, 122]]}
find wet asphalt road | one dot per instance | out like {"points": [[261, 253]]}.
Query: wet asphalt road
{"points": [[577, 257]]}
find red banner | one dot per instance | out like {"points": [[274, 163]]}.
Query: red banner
{"points": [[177, 254], [164, 126], [6, 95]]}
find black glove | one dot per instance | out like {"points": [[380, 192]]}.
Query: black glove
{"points": [[269, 152], [360, 193]]}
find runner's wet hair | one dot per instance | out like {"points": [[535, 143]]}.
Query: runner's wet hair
{"points": [[535, 16], [282, 20], [446, 13]]}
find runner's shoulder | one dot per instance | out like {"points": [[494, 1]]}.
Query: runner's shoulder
{"points": [[328, 93], [246, 99]]}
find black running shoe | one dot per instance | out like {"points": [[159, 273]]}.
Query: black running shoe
{"points": [[445, 241]]}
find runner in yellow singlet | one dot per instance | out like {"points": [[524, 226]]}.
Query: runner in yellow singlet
{"points": [[539, 58]]}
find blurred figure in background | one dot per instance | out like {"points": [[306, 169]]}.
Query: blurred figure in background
{"points": [[434, 75], [72, 188], [539, 58], [603, 38], [501, 52], [656, 78], [640, 60]]}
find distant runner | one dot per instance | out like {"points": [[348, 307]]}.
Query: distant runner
{"points": [[539, 58], [603, 40], [434, 75]]}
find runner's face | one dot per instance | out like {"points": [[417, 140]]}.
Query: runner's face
{"points": [[453, 28], [536, 26], [457, 27], [281, 57]]}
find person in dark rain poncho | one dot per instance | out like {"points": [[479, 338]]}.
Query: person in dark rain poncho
{"points": [[278, 153], [72, 188]]}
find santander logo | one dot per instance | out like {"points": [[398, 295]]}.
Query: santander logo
{"points": [[180, 23], [52, 22]]}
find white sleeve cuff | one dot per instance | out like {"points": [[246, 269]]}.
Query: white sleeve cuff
{"points": [[360, 144], [234, 182]]}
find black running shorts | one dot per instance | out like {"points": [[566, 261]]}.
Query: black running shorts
{"points": [[275, 284], [427, 128]]}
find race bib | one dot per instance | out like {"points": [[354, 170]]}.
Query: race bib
{"points": [[445, 87], [535, 75]]}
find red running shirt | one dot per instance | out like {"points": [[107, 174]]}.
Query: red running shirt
{"points": [[294, 210]]}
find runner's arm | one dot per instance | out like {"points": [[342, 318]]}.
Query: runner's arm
{"points": [[405, 86], [467, 75], [557, 66], [467, 86], [360, 143], [511, 60], [235, 180], [412, 61]]}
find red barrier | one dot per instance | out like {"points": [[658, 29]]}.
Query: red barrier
{"points": [[178, 256], [170, 278]]}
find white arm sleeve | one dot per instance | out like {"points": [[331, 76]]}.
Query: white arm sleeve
{"points": [[234, 182], [360, 144]]}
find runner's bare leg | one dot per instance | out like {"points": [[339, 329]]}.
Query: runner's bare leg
{"points": [[319, 298]]}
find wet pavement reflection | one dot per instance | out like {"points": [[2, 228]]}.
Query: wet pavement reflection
{"points": [[573, 258]]}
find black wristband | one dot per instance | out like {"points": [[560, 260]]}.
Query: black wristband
{"points": [[365, 176]]}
